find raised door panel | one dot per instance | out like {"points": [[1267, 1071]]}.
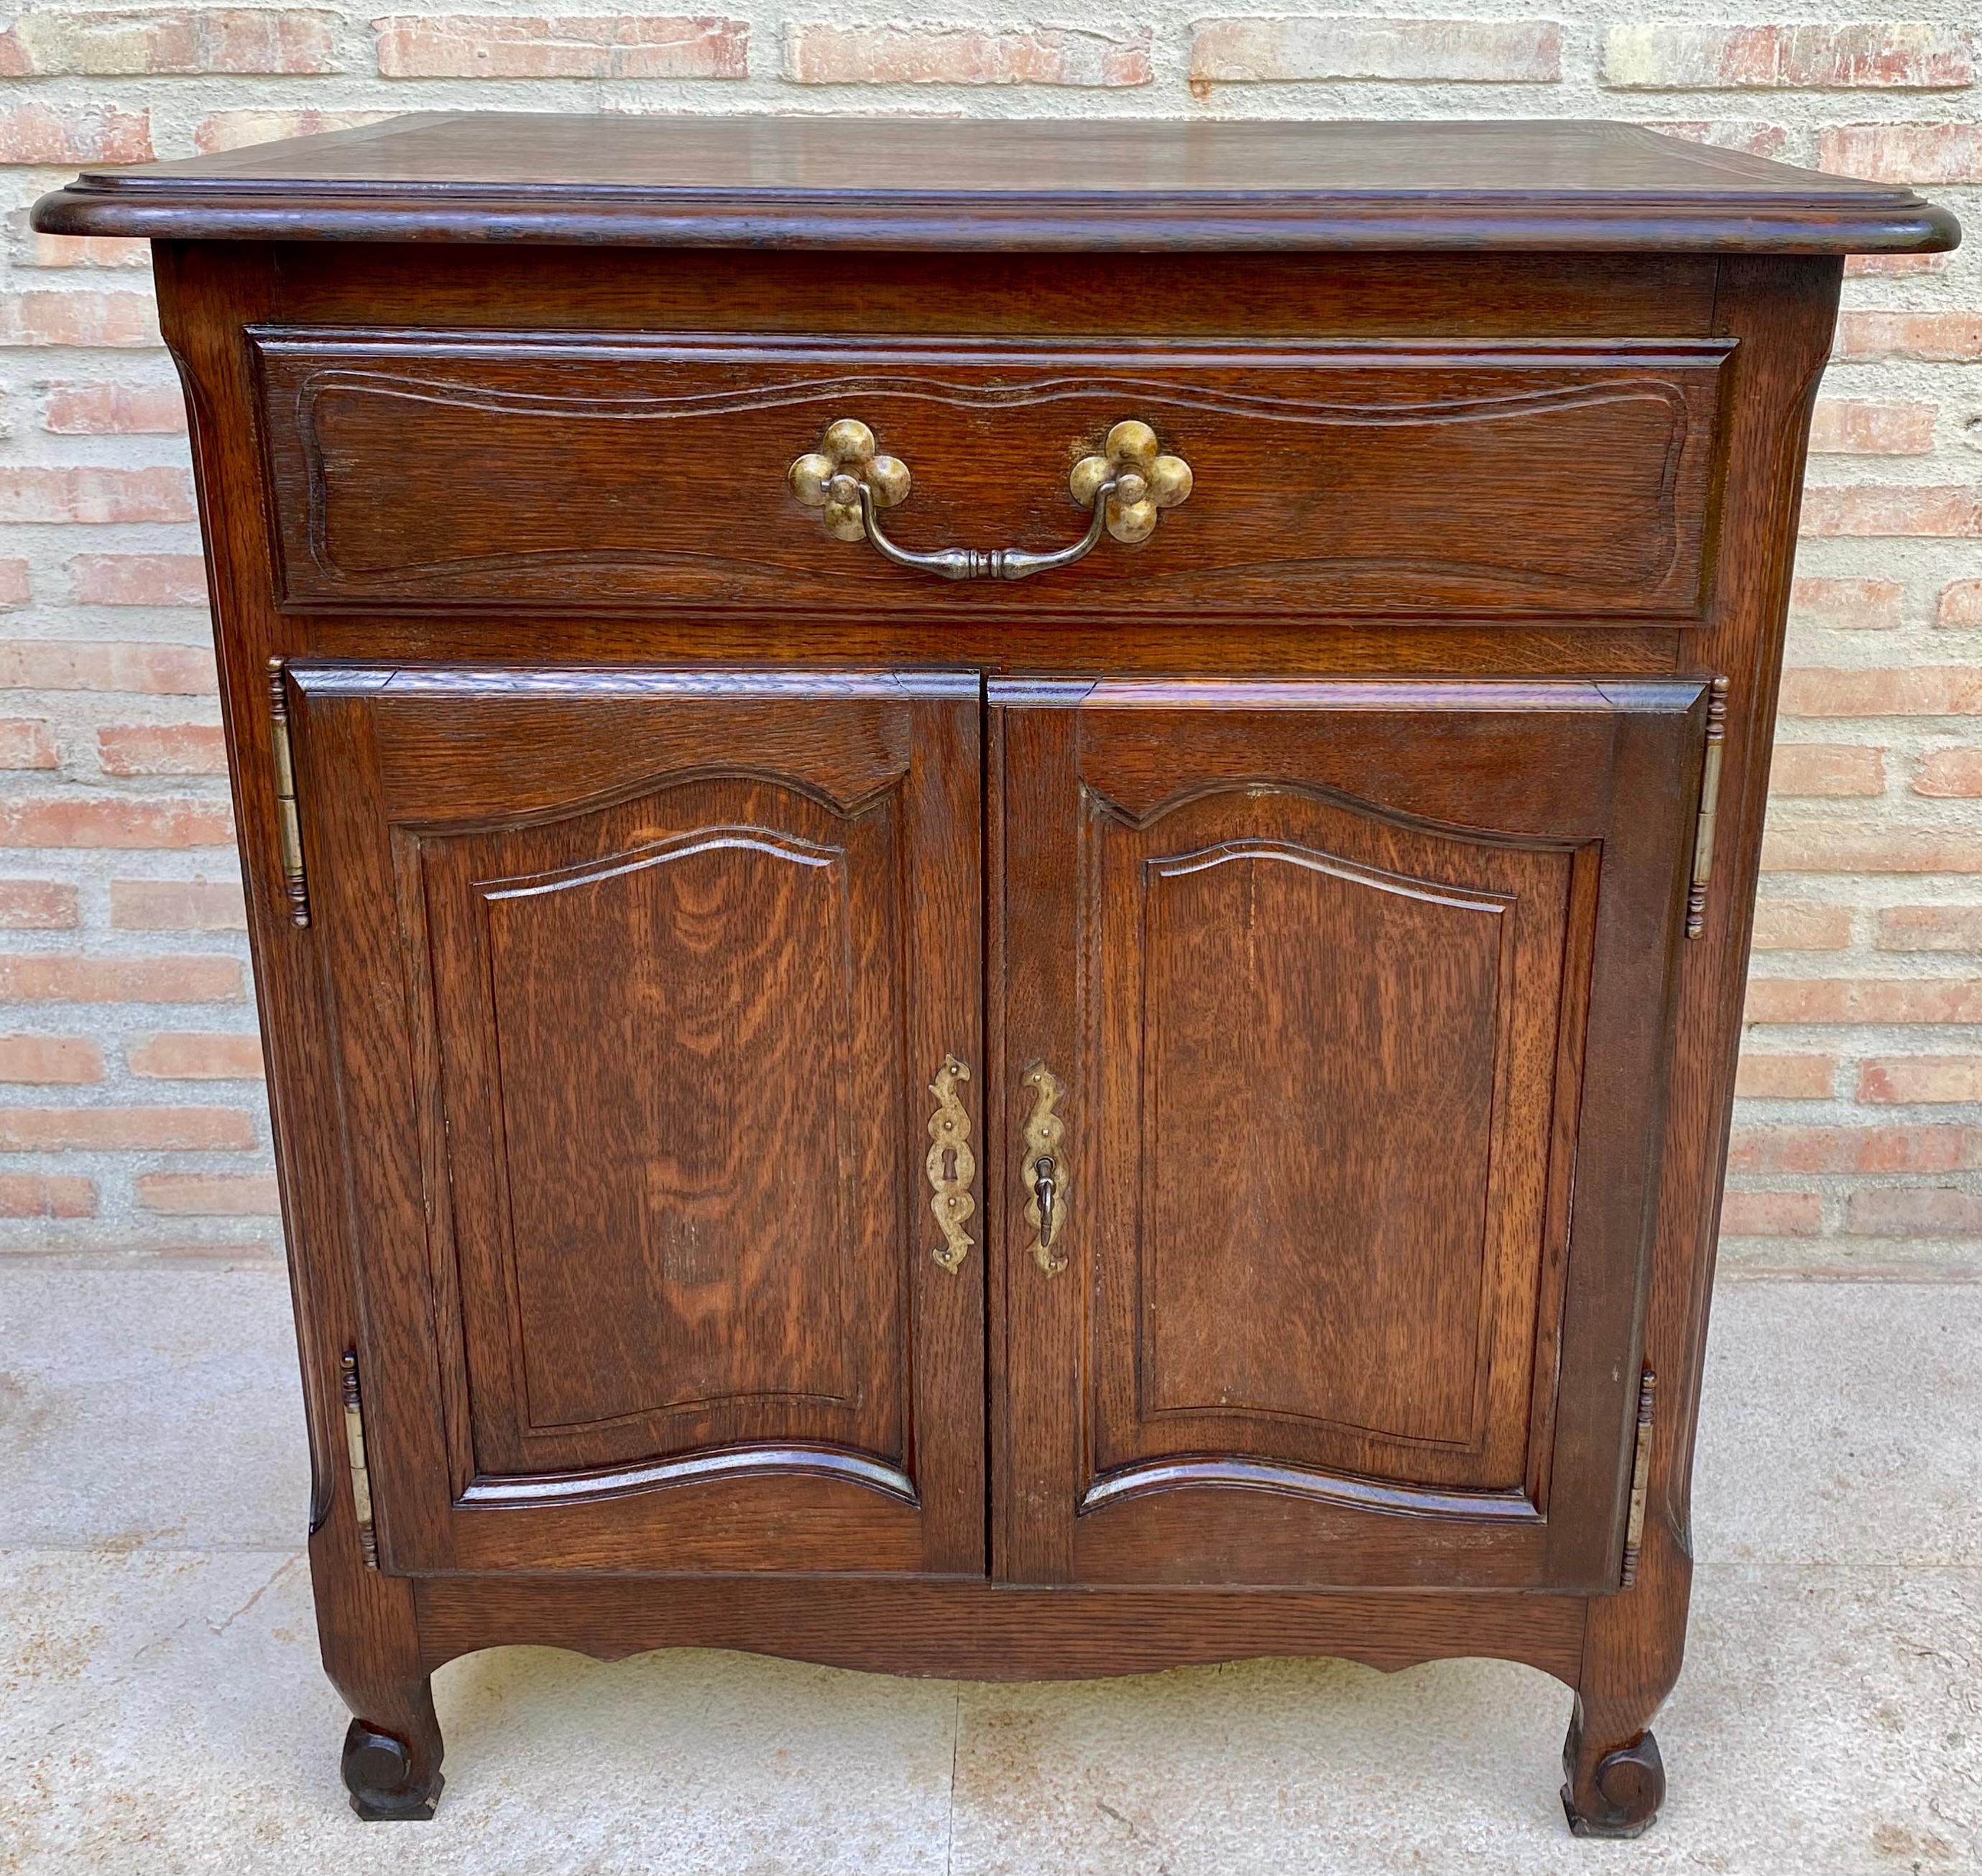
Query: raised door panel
{"points": [[1345, 989], [672, 953]]}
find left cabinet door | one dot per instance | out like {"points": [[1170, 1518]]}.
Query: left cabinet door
{"points": [[642, 986]]}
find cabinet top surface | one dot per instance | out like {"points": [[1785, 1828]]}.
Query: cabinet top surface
{"points": [[1089, 185]]}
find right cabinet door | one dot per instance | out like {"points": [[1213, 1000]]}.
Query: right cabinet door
{"points": [[1340, 1010]]}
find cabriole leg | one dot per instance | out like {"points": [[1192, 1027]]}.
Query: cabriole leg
{"points": [[1614, 1781], [393, 1752], [370, 1638]]}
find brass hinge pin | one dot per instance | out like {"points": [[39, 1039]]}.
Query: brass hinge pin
{"points": [[1710, 806], [288, 819], [361, 1478], [1641, 1469]]}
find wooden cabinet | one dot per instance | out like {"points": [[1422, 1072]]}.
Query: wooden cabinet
{"points": [[1000, 889]]}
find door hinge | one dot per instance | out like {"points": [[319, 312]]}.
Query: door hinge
{"points": [[354, 1441], [289, 818], [1641, 1470], [1710, 806]]}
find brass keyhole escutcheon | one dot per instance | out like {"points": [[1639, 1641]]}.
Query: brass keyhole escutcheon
{"points": [[1044, 1169]]}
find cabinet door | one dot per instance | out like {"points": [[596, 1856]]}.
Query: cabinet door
{"points": [[1355, 995], [642, 982]]}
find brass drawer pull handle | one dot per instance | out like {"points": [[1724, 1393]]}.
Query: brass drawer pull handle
{"points": [[1126, 487], [951, 1166], [1045, 1169]]}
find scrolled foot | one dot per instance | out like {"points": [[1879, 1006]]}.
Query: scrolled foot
{"points": [[385, 1777], [1617, 1796]]}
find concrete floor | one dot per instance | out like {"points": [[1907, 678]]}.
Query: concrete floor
{"points": [[163, 1711]]}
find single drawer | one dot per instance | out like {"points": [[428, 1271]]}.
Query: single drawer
{"points": [[576, 472]]}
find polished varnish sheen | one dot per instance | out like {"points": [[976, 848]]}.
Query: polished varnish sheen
{"points": [[1168, 1110]]}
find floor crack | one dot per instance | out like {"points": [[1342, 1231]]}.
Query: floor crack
{"points": [[287, 1564]]}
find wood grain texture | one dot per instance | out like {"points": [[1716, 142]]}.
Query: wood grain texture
{"points": [[1331, 1310], [505, 730], [990, 1632], [662, 993], [1390, 479], [1090, 186]]}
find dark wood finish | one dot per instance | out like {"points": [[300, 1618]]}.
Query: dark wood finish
{"points": [[990, 1632], [1350, 984], [673, 958], [1290, 873], [1096, 186], [1522, 479]]}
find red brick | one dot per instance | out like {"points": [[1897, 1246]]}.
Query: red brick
{"points": [[1913, 153], [208, 1195], [1827, 769], [1939, 338], [115, 1130], [1907, 55], [14, 587], [95, 496], [114, 410], [1906, 1079], [112, 820], [1787, 1078], [1801, 924], [963, 55], [142, 670], [1954, 513], [177, 905], [27, 742], [1912, 1211], [41, 1195], [38, 905], [601, 45], [1888, 264], [186, 41], [38, 133], [88, 251], [1852, 427], [26, 978], [50, 1059], [1950, 774], [235, 130], [1276, 50], [1864, 1000], [1847, 848], [1847, 605], [162, 749], [1925, 691], [45, 317], [1929, 928], [139, 579], [1961, 604], [1854, 1149], [1771, 1214], [184, 1058]]}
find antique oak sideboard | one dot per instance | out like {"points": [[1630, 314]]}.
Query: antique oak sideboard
{"points": [[1000, 881]]}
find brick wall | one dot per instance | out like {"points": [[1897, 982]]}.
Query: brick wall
{"points": [[131, 1114]]}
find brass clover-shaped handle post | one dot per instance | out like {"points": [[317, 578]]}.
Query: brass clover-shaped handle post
{"points": [[844, 468], [1145, 480], [1123, 489]]}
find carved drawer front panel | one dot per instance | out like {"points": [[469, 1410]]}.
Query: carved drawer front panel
{"points": [[679, 957], [1550, 478], [1357, 994]]}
